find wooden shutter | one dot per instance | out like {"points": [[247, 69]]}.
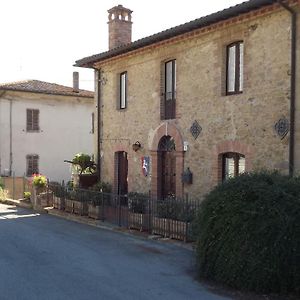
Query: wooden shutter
{"points": [[32, 119], [162, 91], [35, 119], [29, 120]]}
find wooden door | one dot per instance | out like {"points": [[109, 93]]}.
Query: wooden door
{"points": [[167, 167], [122, 173], [168, 173]]}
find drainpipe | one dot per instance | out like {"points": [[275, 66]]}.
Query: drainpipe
{"points": [[10, 138], [292, 85], [98, 95]]}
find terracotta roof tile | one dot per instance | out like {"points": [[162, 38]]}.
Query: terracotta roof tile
{"points": [[37, 86], [225, 14]]}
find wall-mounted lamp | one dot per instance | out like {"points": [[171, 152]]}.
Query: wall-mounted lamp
{"points": [[136, 146]]}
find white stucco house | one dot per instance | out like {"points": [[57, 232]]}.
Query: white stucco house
{"points": [[41, 125]]}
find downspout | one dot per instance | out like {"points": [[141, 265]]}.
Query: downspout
{"points": [[10, 138], [98, 80], [292, 84]]}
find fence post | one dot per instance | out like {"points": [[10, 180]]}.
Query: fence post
{"points": [[186, 222]]}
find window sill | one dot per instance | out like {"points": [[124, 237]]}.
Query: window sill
{"points": [[233, 93], [33, 131]]}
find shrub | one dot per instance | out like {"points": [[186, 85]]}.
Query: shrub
{"points": [[137, 202], [3, 194], [58, 189], [39, 181], [175, 209], [104, 187], [27, 195], [248, 233]]}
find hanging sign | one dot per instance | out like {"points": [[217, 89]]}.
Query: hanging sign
{"points": [[145, 165]]}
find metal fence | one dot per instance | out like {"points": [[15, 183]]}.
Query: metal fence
{"points": [[171, 217]]}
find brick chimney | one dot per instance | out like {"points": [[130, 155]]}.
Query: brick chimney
{"points": [[119, 26]]}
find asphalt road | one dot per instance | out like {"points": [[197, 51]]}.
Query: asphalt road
{"points": [[45, 257]]}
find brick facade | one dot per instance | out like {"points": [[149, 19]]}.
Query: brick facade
{"points": [[242, 123]]}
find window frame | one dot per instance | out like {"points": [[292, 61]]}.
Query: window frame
{"points": [[236, 157], [32, 126], [32, 159], [170, 114], [123, 93], [239, 67]]}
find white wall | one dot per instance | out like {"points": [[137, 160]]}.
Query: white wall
{"points": [[65, 129]]}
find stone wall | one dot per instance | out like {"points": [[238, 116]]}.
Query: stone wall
{"points": [[240, 123]]}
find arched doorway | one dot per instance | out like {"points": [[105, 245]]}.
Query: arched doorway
{"points": [[167, 166], [167, 154]]}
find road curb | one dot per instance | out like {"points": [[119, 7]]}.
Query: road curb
{"points": [[97, 223]]}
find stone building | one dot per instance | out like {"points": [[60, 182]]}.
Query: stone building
{"points": [[214, 97], [41, 125]]}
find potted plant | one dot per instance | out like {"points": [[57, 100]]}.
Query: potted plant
{"points": [[39, 181], [40, 197], [85, 167]]}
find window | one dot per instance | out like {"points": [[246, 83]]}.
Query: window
{"points": [[235, 65], [233, 165], [169, 93], [32, 120], [32, 164], [123, 91]]}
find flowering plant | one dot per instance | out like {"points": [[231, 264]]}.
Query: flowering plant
{"points": [[39, 180]]}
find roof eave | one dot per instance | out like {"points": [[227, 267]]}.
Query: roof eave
{"points": [[88, 62]]}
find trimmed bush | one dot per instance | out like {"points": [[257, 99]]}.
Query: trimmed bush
{"points": [[248, 233]]}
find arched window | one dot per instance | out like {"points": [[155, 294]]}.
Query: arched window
{"points": [[233, 164]]}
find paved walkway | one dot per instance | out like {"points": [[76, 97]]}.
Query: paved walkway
{"points": [[45, 257]]}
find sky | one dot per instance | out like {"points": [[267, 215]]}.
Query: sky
{"points": [[42, 39]]}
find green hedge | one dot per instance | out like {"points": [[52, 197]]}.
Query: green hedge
{"points": [[248, 233]]}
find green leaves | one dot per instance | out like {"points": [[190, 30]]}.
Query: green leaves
{"points": [[248, 231]]}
